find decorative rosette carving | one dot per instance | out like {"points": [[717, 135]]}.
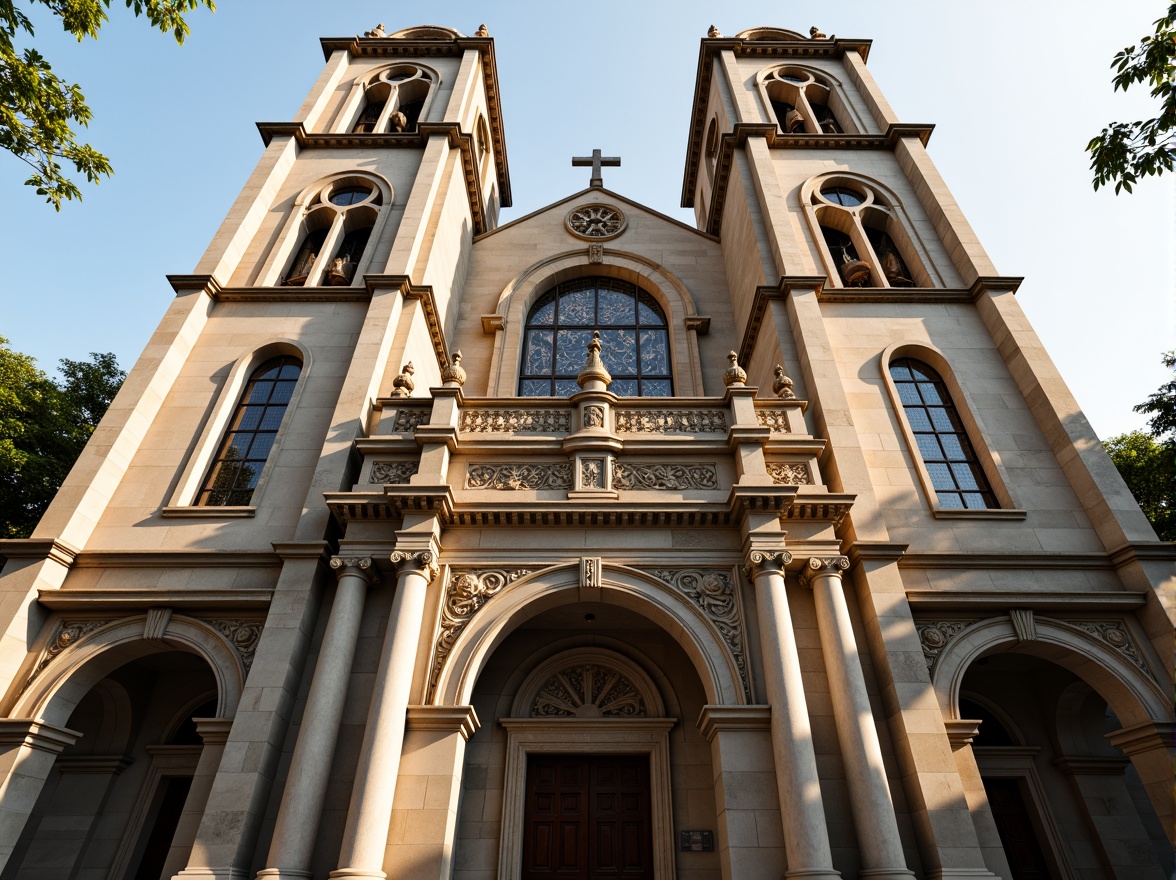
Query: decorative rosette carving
{"points": [[596, 222]]}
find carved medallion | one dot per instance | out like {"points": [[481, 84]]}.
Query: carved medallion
{"points": [[596, 222], [588, 690]]}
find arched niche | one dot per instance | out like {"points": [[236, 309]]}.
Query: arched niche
{"points": [[60, 686], [554, 587], [520, 294]]}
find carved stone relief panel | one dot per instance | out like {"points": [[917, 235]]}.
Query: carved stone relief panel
{"points": [[243, 635], [774, 420], [789, 473], [520, 476], [592, 473], [393, 471], [627, 475], [717, 595], [662, 421], [593, 416], [409, 419], [66, 634], [515, 421], [934, 636]]}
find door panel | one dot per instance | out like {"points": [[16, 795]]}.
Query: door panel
{"points": [[587, 818]]}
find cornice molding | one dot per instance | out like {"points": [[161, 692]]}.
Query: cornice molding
{"points": [[1003, 600], [457, 139], [141, 600], [396, 47], [178, 559], [1026, 561], [38, 548]]}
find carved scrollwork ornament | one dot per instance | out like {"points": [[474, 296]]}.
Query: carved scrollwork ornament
{"points": [[760, 561], [356, 566], [818, 566], [424, 562]]}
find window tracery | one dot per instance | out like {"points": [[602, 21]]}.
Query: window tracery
{"points": [[338, 221], [862, 240], [800, 101], [393, 101], [633, 331]]}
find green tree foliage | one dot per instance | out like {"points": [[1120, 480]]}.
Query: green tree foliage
{"points": [[1147, 461], [38, 110], [43, 426], [1125, 151]]}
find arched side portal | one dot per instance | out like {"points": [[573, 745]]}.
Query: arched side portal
{"points": [[553, 587]]}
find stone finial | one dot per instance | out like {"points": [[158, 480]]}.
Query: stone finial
{"points": [[713, 33], [454, 375], [402, 385], [482, 31], [377, 31], [398, 122], [594, 369], [782, 385], [734, 374], [815, 34]]}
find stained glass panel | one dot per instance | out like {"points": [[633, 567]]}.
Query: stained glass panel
{"points": [[634, 343]]}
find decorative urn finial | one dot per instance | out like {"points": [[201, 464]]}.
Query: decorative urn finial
{"points": [[713, 33], [594, 370], [402, 385], [454, 375], [482, 31], [783, 385], [734, 374]]}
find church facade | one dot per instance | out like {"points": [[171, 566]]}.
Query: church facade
{"points": [[590, 544]]}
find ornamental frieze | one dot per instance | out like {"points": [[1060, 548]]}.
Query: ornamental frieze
{"points": [[774, 420], [673, 477], [467, 591], [717, 596], [520, 476], [661, 421], [515, 421]]}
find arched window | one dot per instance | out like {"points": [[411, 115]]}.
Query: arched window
{"points": [[950, 460], [246, 446], [801, 101], [862, 238], [338, 222], [634, 339], [393, 101]]}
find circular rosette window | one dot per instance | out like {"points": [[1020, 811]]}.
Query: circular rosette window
{"points": [[596, 222]]}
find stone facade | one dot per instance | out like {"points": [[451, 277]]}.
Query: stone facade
{"points": [[757, 586]]}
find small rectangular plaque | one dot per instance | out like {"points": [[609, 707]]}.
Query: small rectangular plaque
{"points": [[697, 841]]}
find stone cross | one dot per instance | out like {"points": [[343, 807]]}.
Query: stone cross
{"points": [[596, 161]]}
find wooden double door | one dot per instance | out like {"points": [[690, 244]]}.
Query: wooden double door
{"points": [[587, 818]]}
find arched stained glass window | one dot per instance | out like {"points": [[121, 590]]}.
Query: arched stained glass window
{"points": [[634, 339], [246, 446], [956, 474]]}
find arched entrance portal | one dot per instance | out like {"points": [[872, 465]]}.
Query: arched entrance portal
{"points": [[1068, 743], [588, 737]]}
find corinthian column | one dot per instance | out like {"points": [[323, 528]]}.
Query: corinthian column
{"points": [[806, 836], [869, 795], [306, 784], [365, 835]]}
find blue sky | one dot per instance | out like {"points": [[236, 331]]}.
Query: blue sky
{"points": [[1015, 91]]}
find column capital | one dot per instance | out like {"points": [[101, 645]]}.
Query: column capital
{"points": [[356, 566], [761, 561], [818, 566], [424, 562]]}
